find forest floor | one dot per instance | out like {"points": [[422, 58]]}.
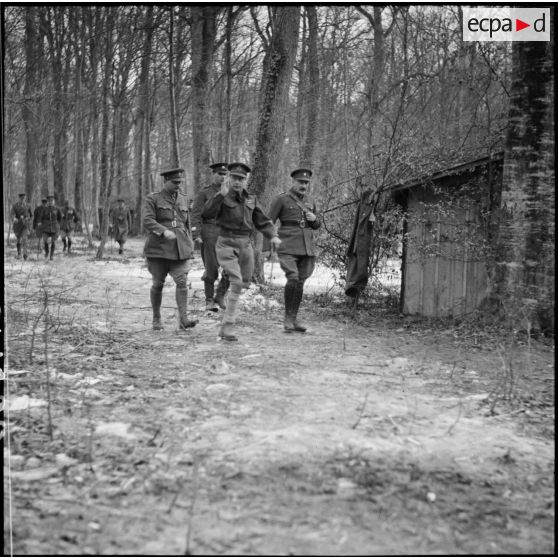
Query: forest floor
{"points": [[371, 434]]}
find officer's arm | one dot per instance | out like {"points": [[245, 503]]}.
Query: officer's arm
{"points": [[263, 223], [150, 217], [275, 210], [196, 214], [212, 206]]}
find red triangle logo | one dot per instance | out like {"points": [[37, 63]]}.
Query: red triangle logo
{"points": [[519, 25]]}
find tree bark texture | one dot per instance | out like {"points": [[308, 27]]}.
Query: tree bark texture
{"points": [[274, 100], [525, 266]]}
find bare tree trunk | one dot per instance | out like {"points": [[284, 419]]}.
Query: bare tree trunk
{"points": [[525, 267], [203, 31], [142, 119], [106, 167], [29, 108], [312, 93], [274, 97], [175, 149]]}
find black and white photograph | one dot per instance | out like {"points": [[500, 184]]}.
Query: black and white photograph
{"points": [[279, 279]]}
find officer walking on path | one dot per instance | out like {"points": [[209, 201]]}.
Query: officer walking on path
{"points": [[206, 231], [169, 247], [36, 228], [21, 214], [296, 253], [237, 213], [121, 223], [48, 223], [67, 225]]}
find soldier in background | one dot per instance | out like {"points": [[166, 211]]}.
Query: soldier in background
{"points": [[237, 214], [169, 246], [36, 229], [121, 223], [49, 224], [21, 214], [205, 232], [67, 225], [296, 253]]}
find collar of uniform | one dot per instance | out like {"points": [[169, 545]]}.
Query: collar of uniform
{"points": [[297, 196], [171, 196]]}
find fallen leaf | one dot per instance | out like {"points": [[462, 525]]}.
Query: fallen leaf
{"points": [[34, 474], [23, 402], [115, 429]]}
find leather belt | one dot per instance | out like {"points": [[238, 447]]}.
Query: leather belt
{"points": [[234, 234]]}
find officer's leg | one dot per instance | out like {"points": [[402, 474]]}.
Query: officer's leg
{"points": [[227, 250], [179, 272], [69, 235], [211, 272], [305, 266], [18, 245], [246, 261], [52, 245], [289, 267], [158, 269], [24, 235], [45, 244], [63, 235]]}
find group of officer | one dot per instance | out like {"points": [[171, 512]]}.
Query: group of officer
{"points": [[224, 215], [48, 221]]}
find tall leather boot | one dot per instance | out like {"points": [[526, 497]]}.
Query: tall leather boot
{"points": [[288, 324], [209, 290], [46, 249], [156, 296], [297, 299], [222, 288], [69, 245], [182, 303], [64, 243], [18, 246], [52, 250]]}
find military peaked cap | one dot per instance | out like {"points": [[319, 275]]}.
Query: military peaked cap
{"points": [[120, 200], [219, 167], [170, 174], [239, 169], [50, 197], [22, 195], [43, 199], [302, 174]]}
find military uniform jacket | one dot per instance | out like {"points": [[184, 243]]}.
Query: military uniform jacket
{"points": [[49, 218], [37, 215], [164, 211], [238, 213], [296, 233], [22, 215], [206, 228], [121, 220], [69, 219]]}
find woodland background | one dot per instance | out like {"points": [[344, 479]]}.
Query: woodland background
{"points": [[98, 99]]}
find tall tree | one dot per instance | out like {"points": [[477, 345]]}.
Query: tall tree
{"points": [[280, 54], [527, 233], [204, 33]]}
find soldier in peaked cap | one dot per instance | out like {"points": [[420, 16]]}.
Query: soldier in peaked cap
{"points": [[21, 214], [67, 225], [169, 247], [48, 222], [237, 214], [121, 223], [297, 254], [206, 231]]}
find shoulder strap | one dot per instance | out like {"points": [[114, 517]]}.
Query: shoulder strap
{"points": [[298, 202]]}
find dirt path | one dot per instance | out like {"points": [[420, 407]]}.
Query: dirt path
{"points": [[343, 441]]}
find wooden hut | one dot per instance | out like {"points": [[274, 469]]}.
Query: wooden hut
{"points": [[448, 237]]}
